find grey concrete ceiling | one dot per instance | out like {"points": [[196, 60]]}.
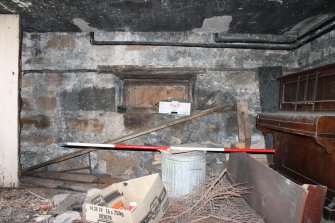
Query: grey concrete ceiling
{"points": [[233, 16]]}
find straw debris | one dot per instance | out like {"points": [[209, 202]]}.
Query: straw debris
{"points": [[213, 201]]}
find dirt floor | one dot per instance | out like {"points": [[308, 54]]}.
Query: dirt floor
{"points": [[36, 204], [28, 204]]}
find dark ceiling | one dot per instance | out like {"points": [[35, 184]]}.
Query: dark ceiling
{"points": [[233, 16]]}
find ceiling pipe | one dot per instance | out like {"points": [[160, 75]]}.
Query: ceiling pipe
{"points": [[260, 44], [316, 28], [301, 40], [218, 39], [326, 29], [181, 44]]}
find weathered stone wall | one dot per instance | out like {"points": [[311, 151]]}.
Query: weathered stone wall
{"points": [[316, 53], [61, 107], [64, 99]]}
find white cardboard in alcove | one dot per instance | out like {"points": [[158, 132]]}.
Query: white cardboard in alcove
{"points": [[174, 107]]}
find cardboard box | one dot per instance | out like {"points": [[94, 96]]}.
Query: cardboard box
{"points": [[174, 107], [148, 192]]}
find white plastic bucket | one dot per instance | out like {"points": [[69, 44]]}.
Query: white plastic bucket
{"points": [[182, 172]]}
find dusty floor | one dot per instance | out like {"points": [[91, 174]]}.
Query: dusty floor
{"points": [[33, 204], [27, 204]]}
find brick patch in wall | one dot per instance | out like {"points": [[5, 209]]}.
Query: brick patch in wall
{"points": [[55, 78], [92, 125], [27, 81], [61, 42], [35, 139], [48, 103], [133, 121], [89, 99], [25, 104], [39, 121]]}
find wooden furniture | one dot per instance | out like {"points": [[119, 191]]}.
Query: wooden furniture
{"points": [[304, 130]]}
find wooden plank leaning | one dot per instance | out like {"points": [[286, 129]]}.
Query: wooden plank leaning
{"points": [[130, 136]]}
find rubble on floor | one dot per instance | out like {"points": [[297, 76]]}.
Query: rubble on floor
{"points": [[46, 205], [43, 205]]}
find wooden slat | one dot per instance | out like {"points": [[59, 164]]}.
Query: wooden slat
{"points": [[78, 177], [130, 136], [59, 184], [9, 68], [273, 196], [65, 176], [148, 94], [244, 125]]}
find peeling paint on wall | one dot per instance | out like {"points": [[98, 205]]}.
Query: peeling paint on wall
{"points": [[215, 24], [83, 25]]}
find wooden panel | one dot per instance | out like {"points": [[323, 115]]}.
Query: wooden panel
{"points": [[302, 159], [148, 93], [9, 62], [244, 125], [148, 96], [289, 122], [305, 148], [274, 197], [310, 90]]}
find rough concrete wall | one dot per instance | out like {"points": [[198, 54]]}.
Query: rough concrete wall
{"points": [[80, 106]]}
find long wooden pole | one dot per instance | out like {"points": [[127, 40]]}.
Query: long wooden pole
{"points": [[127, 137]]}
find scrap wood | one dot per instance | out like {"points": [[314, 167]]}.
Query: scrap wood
{"points": [[78, 177], [127, 137], [64, 176], [61, 184], [244, 125], [213, 201]]}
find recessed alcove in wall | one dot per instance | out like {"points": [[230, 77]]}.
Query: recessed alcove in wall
{"points": [[143, 87]]}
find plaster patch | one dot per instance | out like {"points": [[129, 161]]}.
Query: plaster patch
{"points": [[215, 24], [22, 4], [83, 25]]}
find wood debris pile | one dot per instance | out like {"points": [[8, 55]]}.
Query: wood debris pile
{"points": [[213, 201]]}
